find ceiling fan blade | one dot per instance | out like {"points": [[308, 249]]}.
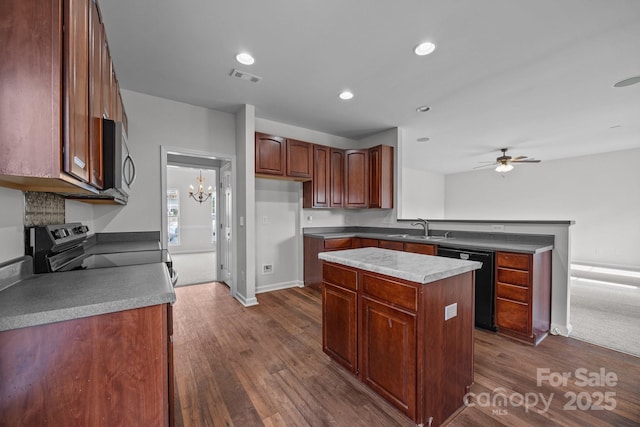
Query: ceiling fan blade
{"points": [[489, 163], [515, 159], [485, 166], [526, 161]]}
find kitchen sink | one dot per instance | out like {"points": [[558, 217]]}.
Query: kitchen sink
{"points": [[414, 237]]}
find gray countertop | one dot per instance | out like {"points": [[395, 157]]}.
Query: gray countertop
{"points": [[403, 265], [471, 241], [55, 297]]}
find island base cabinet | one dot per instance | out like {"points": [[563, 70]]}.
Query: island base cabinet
{"points": [[105, 370], [408, 351], [392, 374], [339, 310]]}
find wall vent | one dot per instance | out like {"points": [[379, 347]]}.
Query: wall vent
{"points": [[245, 76]]}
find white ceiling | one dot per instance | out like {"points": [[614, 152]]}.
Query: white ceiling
{"points": [[535, 76]]}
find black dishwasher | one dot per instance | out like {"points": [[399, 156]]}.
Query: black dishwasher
{"points": [[484, 283]]}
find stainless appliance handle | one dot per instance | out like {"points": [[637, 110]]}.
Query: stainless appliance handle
{"points": [[129, 173]]}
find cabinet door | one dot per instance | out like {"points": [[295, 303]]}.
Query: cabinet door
{"points": [[96, 45], [339, 325], [270, 154], [381, 177], [336, 173], [107, 91], [76, 89], [392, 374], [320, 179], [363, 242], [299, 159], [356, 179]]}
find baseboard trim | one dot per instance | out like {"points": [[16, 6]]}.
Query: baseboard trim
{"points": [[279, 286], [247, 302]]}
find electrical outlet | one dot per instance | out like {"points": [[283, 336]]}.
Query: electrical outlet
{"points": [[265, 219], [451, 311], [267, 268], [497, 228]]}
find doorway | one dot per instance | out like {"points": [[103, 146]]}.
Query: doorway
{"points": [[192, 224]]}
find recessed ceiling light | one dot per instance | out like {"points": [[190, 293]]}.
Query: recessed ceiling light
{"points": [[423, 139], [245, 58], [346, 95], [423, 109], [424, 48]]}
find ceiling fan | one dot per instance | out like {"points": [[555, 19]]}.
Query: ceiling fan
{"points": [[504, 161]]}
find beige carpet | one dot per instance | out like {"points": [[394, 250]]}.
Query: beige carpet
{"points": [[195, 268], [605, 315]]}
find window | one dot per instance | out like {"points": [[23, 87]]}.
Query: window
{"points": [[173, 216]]}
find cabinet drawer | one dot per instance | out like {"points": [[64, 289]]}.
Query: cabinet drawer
{"points": [[391, 244], [515, 293], [512, 315], [514, 277], [340, 276], [396, 293], [363, 242], [511, 260], [341, 243], [419, 248]]}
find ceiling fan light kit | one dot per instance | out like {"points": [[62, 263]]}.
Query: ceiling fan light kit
{"points": [[504, 167], [504, 162]]}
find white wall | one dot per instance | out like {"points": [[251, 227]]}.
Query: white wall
{"points": [[195, 218], [156, 122], [277, 227], [600, 192], [423, 194], [11, 224]]}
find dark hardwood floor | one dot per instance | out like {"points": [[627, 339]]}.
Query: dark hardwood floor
{"points": [[264, 365]]}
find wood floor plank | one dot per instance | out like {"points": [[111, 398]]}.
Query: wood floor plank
{"points": [[264, 365]]}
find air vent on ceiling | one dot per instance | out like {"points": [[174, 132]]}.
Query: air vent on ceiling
{"points": [[245, 76]]}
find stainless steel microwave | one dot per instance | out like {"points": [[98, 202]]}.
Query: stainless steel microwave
{"points": [[119, 167]]}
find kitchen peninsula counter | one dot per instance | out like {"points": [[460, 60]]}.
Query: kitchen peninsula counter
{"points": [[403, 324]]}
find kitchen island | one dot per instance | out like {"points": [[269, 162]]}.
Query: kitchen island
{"points": [[402, 323]]}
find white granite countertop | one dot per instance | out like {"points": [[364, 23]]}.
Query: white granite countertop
{"points": [[55, 297], [403, 265]]}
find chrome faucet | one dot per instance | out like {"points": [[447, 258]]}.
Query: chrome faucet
{"points": [[424, 223]]}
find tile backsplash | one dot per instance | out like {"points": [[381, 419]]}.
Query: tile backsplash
{"points": [[43, 208]]}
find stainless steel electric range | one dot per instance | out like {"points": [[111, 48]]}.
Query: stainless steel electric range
{"points": [[66, 247]]}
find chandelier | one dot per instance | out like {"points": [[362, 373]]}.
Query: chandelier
{"points": [[200, 196]]}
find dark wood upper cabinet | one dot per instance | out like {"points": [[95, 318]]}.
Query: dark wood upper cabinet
{"points": [[316, 192], [381, 177], [96, 46], [299, 159], [332, 177], [76, 88], [108, 110], [356, 173], [336, 173], [52, 79], [270, 154]]}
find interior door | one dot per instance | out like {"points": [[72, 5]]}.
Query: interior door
{"points": [[225, 226]]}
